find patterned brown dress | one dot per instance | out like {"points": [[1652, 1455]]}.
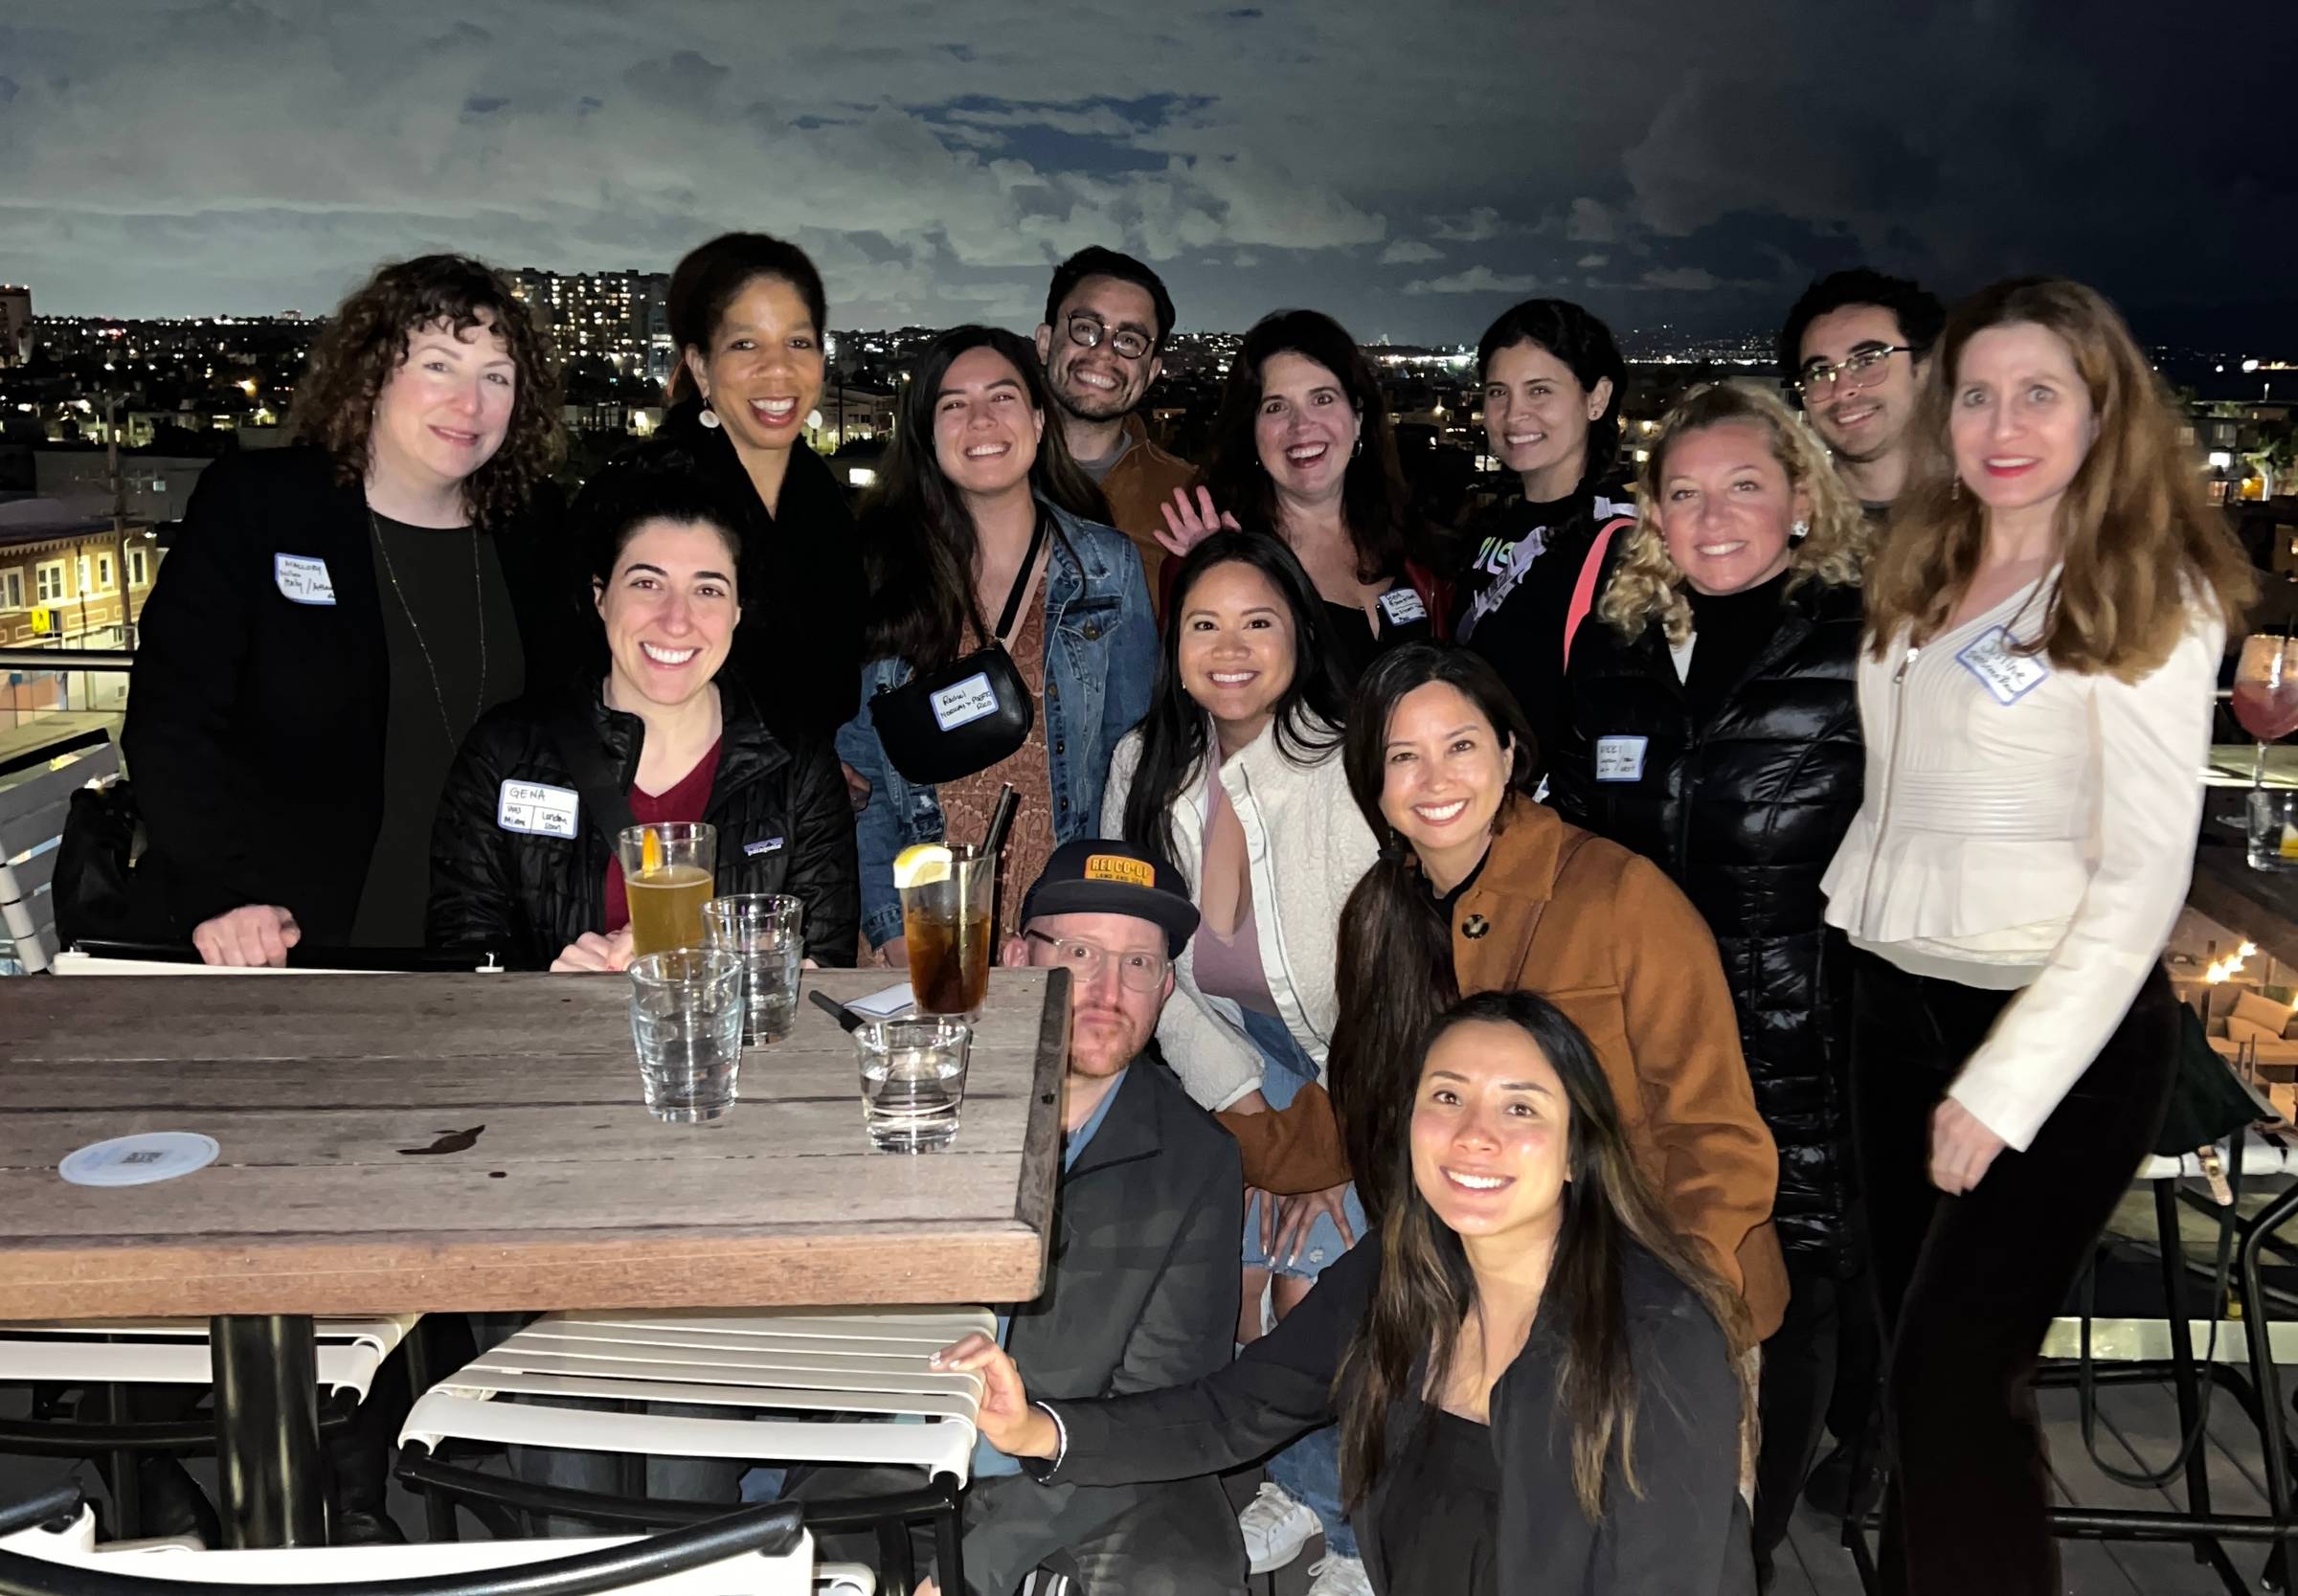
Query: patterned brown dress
{"points": [[966, 802]]}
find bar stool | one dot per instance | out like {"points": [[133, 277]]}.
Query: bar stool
{"points": [[833, 1386]]}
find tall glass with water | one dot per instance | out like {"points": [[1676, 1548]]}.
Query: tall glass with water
{"points": [[685, 1017], [764, 930]]}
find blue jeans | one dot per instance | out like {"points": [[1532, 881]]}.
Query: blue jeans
{"points": [[1309, 1469]]}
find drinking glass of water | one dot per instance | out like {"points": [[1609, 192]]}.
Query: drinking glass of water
{"points": [[912, 1081], [686, 1014], [763, 931]]}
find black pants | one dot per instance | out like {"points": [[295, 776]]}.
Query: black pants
{"points": [[1967, 1286], [1813, 1368]]}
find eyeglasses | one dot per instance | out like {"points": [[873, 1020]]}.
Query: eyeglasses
{"points": [[1087, 330], [1856, 370], [1139, 972]]}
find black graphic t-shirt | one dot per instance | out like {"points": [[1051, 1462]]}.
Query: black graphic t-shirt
{"points": [[1517, 591]]}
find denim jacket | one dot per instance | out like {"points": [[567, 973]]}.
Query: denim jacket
{"points": [[1101, 652]]}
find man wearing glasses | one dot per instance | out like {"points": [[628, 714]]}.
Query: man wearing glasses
{"points": [[1107, 317], [1141, 1284], [1854, 350]]}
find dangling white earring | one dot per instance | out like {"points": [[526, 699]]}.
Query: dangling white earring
{"points": [[710, 416], [1800, 531], [814, 420]]}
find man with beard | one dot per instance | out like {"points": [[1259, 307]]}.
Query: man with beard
{"points": [[1855, 349], [1107, 317], [1141, 1279]]}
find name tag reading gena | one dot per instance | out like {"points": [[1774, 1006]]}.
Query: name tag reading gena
{"points": [[2004, 672], [535, 810], [963, 703]]}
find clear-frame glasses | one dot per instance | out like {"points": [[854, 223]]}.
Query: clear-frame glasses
{"points": [[1143, 972]]}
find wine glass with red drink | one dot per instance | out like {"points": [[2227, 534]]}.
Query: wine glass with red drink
{"points": [[2265, 701]]}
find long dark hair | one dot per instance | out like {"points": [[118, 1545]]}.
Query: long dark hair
{"points": [[1395, 963], [710, 276], [919, 542], [1310, 711], [1373, 495], [1404, 1348], [1580, 339]]}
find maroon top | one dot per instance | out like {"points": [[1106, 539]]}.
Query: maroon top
{"points": [[688, 799]]}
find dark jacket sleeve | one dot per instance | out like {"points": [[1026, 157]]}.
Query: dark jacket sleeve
{"points": [[1281, 1387], [822, 873], [193, 638], [1683, 1528], [474, 875], [1571, 762], [1189, 1324]]}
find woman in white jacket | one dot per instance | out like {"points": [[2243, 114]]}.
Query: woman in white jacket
{"points": [[1235, 779], [2044, 627]]}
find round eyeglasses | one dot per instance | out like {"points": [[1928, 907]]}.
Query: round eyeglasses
{"points": [[1088, 331], [1856, 370]]}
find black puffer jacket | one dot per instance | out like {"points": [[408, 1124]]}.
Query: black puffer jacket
{"points": [[1746, 816], [785, 824]]}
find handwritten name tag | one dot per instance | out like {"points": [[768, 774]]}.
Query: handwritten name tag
{"points": [[537, 810], [1403, 607], [1621, 758], [962, 702], [2010, 676], [302, 579]]}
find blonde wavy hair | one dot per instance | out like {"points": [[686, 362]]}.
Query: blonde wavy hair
{"points": [[1648, 584], [2141, 545]]}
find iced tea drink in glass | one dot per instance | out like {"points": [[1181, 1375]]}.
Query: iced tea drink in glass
{"points": [[947, 905], [667, 874]]}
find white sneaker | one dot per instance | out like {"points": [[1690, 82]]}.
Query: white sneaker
{"points": [[1331, 1575], [1275, 1528]]}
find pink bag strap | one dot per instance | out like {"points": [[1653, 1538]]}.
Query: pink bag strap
{"points": [[1583, 589]]}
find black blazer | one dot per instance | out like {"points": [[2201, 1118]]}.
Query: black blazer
{"points": [[255, 724], [785, 824], [1140, 1294], [798, 649], [1684, 1535]]}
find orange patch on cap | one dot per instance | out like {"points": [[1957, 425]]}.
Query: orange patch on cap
{"points": [[1115, 866]]}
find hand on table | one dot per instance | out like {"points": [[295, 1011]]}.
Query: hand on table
{"points": [[1009, 1422], [1286, 1222], [1188, 525], [252, 936], [592, 953], [1962, 1148]]}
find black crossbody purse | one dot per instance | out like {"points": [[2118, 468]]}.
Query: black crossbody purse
{"points": [[941, 724]]}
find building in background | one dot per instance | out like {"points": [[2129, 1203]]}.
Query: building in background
{"points": [[623, 317], [15, 324]]}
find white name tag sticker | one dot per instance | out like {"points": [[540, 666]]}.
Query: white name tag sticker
{"points": [[1621, 758], [1403, 607], [962, 702], [302, 579], [2010, 676], [538, 811], [765, 844]]}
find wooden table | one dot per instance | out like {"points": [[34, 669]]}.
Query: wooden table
{"points": [[441, 1143]]}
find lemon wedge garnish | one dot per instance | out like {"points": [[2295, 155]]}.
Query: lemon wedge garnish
{"points": [[921, 864], [651, 851]]}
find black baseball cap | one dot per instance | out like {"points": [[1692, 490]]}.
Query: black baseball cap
{"points": [[1097, 875]]}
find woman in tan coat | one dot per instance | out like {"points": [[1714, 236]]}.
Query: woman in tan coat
{"points": [[1478, 889]]}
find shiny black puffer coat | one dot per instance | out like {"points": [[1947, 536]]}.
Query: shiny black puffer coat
{"points": [[1745, 815], [785, 824]]}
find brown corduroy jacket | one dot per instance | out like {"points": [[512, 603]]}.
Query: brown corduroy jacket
{"points": [[1615, 946], [1144, 480]]}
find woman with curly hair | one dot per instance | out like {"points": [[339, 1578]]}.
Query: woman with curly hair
{"points": [[337, 614], [1712, 726], [2045, 623]]}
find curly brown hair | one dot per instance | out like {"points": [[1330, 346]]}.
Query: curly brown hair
{"points": [[367, 342]]}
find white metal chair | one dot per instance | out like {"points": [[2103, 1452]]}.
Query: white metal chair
{"points": [[788, 1571], [836, 1386], [31, 823]]}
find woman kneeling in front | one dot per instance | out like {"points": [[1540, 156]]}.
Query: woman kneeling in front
{"points": [[1526, 1330], [521, 859]]}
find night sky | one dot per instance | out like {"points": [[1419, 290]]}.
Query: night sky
{"points": [[1410, 165]]}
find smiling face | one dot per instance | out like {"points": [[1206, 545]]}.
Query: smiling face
{"points": [[1098, 384], [762, 372], [1726, 507], [1236, 648], [2019, 417], [669, 611], [984, 431], [1305, 428], [1536, 413], [1866, 421], [445, 408], [1445, 771], [1491, 1133]]}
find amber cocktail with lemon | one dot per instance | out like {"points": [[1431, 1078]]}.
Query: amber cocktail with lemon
{"points": [[667, 874], [948, 892]]}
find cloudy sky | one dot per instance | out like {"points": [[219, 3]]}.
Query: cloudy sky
{"points": [[1411, 166]]}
